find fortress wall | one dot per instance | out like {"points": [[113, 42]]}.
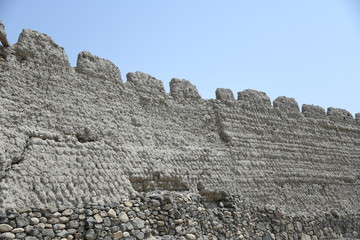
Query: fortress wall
{"points": [[80, 135]]}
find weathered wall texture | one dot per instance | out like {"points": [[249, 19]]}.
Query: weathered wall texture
{"points": [[80, 135]]}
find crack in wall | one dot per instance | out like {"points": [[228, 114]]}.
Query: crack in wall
{"points": [[16, 160], [224, 136]]}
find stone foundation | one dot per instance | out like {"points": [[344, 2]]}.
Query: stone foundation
{"points": [[174, 216]]}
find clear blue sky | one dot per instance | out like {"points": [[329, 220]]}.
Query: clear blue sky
{"points": [[306, 49]]}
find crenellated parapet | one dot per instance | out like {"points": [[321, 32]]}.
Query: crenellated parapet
{"points": [[224, 94], [181, 88], [339, 114], [286, 104], [144, 84], [96, 67], [313, 111], [253, 97], [40, 49]]}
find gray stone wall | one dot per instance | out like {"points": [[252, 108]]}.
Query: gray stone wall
{"points": [[173, 216], [71, 136]]}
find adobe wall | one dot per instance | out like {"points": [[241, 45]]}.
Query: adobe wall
{"points": [[80, 135]]}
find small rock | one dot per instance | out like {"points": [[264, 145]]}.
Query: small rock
{"points": [[52, 209], [111, 213], [73, 224], [56, 215], [67, 212], [5, 228], [305, 237], [41, 226], [298, 226], [17, 230], [31, 238], [190, 236], [117, 235], [98, 218], [88, 212], [261, 226], [34, 221], [290, 227], [115, 222], [139, 235], [123, 217], [127, 226], [59, 226], [7, 235], [62, 234], [64, 219], [138, 223], [266, 236], [22, 221], [128, 204], [48, 233], [90, 234], [126, 234], [167, 206]]}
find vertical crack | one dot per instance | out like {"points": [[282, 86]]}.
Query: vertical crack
{"points": [[224, 135], [18, 160]]}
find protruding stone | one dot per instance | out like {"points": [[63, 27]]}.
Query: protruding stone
{"points": [[111, 213], [309, 110], [48, 233], [128, 204], [339, 114], [144, 83], [17, 230], [181, 88], [64, 219], [167, 206], [138, 223], [117, 235], [97, 67], [31, 237], [34, 220], [7, 235], [73, 224], [286, 104], [68, 212], [305, 237], [90, 234], [254, 97], [5, 228], [190, 236], [98, 218], [224, 94], [123, 217], [21, 221]]}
